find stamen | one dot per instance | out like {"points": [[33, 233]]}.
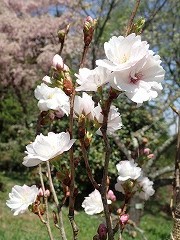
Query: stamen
{"points": [[136, 78]]}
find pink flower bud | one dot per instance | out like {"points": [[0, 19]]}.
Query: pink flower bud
{"points": [[111, 196], [147, 151], [47, 193], [124, 218], [58, 63], [40, 193], [102, 231], [89, 26], [150, 156]]}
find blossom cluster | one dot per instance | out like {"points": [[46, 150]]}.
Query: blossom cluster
{"points": [[129, 67], [131, 180]]}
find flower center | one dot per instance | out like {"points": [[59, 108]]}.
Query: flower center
{"points": [[136, 78], [124, 59]]}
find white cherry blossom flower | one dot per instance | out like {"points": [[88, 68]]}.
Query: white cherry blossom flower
{"points": [[91, 80], [128, 170], [146, 188], [93, 203], [114, 119], [21, 197], [47, 147], [123, 52], [52, 98], [84, 105], [141, 82]]}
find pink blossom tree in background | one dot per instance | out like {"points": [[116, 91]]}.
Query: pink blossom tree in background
{"points": [[87, 91]]}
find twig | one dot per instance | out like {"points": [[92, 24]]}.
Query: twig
{"points": [[105, 110], [88, 169], [133, 14], [72, 167], [46, 204], [84, 56], [61, 225]]}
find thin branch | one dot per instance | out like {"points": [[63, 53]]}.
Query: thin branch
{"points": [[88, 169], [85, 50], [61, 225], [133, 14], [72, 168], [148, 22], [46, 204], [105, 110]]}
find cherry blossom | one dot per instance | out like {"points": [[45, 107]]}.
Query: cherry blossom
{"points": [[128, 170], [93, 203], [146, 187], [52, 98], [47, 147], [91, 80], [84, 105], [114, 119], [123, 52], [141, 82], [21, 197]]}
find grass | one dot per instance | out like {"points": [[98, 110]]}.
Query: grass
{"points": [[155, 223]]}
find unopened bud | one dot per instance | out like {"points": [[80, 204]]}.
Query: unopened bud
{"points": [[68, 86], [63, 33], [111, 196], [145, 140], [89, 27], [150, 156], [58, 63], [147, 151], [124, 218], [102, 231], [40, 193], [119, 211], [47, 193]]}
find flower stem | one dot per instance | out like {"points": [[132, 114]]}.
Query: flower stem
{"points": [[61, 225], [88, 169], [46, 204], [72, 168], [84, 56], [105, 110]]}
